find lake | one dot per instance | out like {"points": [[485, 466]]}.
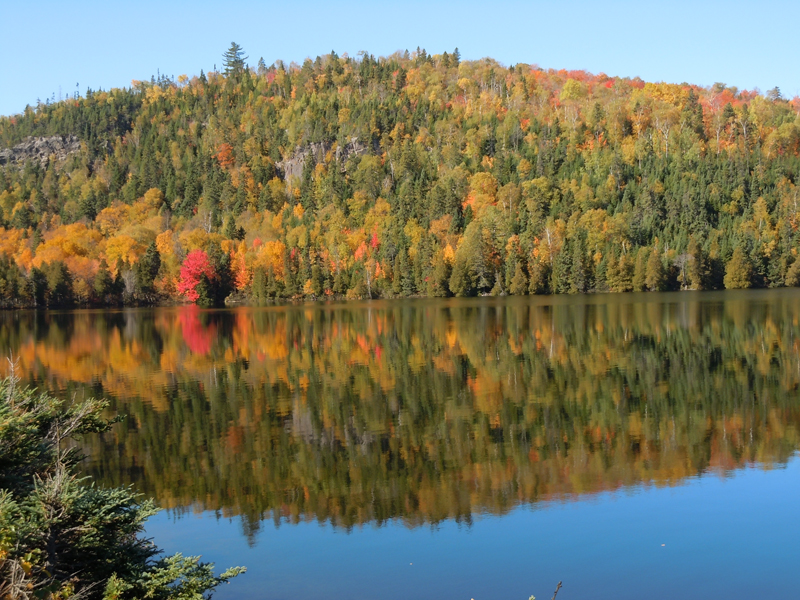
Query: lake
{"points": [[631, 446]]}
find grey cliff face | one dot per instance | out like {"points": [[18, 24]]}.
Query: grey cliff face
{"points": [[41, 149], [292, 166]]}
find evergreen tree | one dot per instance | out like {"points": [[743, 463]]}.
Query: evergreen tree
{"points": [[638, 282], [103, 283], [519, 283], [217, 288], [38, 287], [234, 60], [147, 270], [578, 283], [655, 279], [539, 282], [63, 537], [462, 281], [793, 274], [738, 271], [316, 280], [697, 270], [258, 286], [497, 288], [59, 285], [340, 282], [625, 268], [438, 284]]}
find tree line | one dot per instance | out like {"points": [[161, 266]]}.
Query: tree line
{"points": [[408, 175]]}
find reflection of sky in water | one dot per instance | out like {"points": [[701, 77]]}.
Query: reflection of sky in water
{"points": [[733, 537]]}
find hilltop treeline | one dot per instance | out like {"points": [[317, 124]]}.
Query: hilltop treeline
{"points": [[414, 174]]}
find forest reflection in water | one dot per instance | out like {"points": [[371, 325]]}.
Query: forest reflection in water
{"points": [[424, 410]]}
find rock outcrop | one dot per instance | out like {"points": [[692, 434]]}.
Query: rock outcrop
{"points": [[41, 149], [292, 166]]}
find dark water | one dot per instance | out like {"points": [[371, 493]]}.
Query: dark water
{"points": [[483, 448]]}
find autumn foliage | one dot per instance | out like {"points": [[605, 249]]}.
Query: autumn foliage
{"points": [[408, 175], [194, 269]]}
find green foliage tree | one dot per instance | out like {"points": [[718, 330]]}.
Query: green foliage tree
{"points": [[59, 285], [793, 274], [639, 280], [147, 270], [234, 59], [258, 287], [738, 271], [62, 537], [104, 287], [697, 269], [519, 283], [655, 278]]}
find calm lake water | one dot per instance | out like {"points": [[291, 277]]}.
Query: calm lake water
{"points": [[632, 446]]}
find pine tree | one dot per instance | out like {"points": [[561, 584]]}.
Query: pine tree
{"points": [[519, 283], [221, 284], [59, 285], [738, 272], [793, 274], [562, 270], [38, 287], [655, 279], [147, 270], [639, 271], [103, 283], [234, 59], [438, 281], [289, 276], [696, 268], [316, 280], [539, 282], [578, 280], [340, 283], [461, 282], [497, 288], [625, 273], [258, 287]]}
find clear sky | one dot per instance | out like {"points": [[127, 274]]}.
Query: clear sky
{"points": [[50, 46]]}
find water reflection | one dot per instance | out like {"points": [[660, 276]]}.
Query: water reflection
{"points": [[425, 410]]}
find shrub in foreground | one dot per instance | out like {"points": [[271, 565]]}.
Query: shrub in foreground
{"points": [[62, 536]]}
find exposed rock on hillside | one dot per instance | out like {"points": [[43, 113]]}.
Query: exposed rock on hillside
{"points": [[292, 166], [41, 149]]}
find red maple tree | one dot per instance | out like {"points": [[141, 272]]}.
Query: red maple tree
{"points": [[194, 267]]}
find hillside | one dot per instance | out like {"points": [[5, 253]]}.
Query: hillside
{"points": [[414, 174]]}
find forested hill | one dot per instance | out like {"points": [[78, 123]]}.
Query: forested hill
{"points": [[414, 174]]}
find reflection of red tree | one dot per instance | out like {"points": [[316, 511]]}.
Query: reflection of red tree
{"points": [[198, 337]]}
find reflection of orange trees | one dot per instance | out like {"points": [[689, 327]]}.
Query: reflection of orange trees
{"points": [[425, 411]]}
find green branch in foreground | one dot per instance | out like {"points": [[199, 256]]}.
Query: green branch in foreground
{"points": [[61, 536]]}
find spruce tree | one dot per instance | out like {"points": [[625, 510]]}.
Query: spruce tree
{"points": [[234, 59], [739, 271], [258, 286], [793, 274], [147, 270], [519, 283], [103, 283], [696, 269], [655, 279], [59, 285], [640, 270]]}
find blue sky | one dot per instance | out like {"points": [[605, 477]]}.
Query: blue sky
{"points": [[107, 44]]}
